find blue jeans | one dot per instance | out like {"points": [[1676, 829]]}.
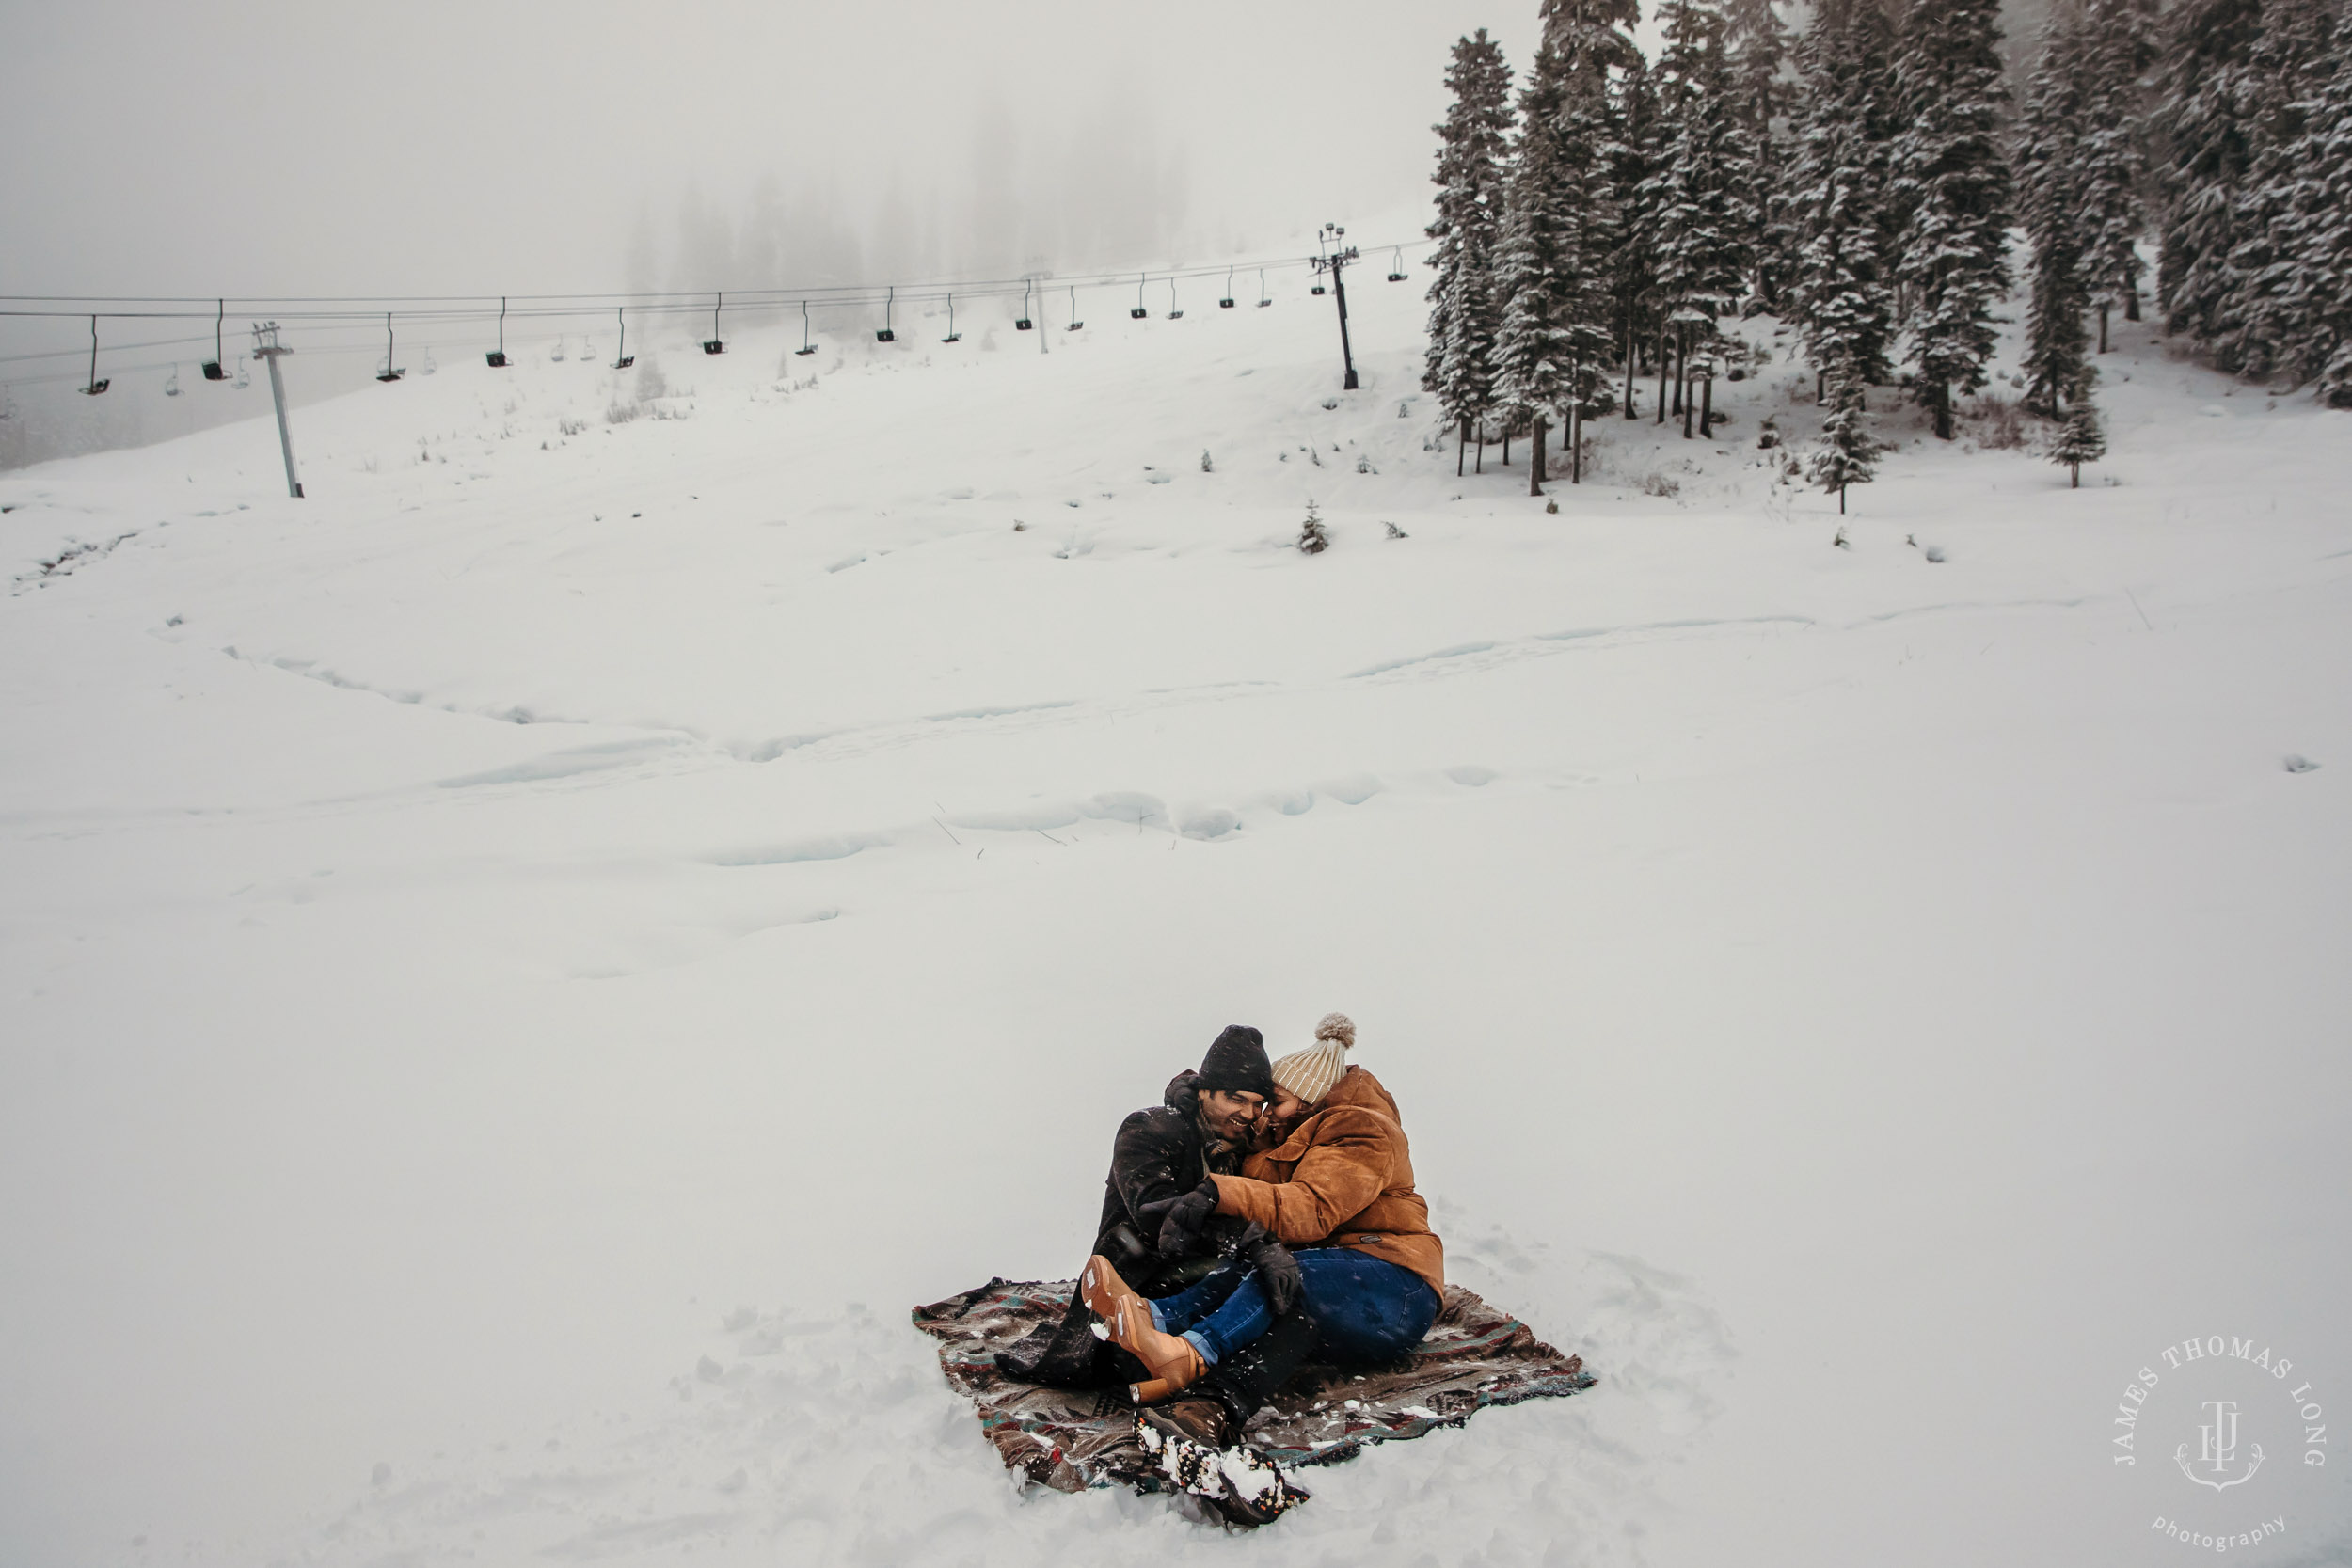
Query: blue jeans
{"points": [[1365, 1308]]}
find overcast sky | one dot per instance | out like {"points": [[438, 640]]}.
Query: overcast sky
{"points": [[429, 147]]}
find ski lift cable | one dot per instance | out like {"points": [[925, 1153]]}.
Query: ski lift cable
{"points": [[128, 307], [1005, 289], [75, 353], [462, 309]]}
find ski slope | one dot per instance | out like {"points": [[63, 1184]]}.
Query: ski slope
{"points": [[520, 967]]}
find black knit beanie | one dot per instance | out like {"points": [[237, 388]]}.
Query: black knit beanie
{"points": [[1236, 1063]]}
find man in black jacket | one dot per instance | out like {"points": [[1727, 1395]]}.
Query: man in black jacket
{"points": [[1155, 1223]]}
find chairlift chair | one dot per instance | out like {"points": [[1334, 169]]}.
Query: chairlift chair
{"points": [[1023, 323], [1227, 303], [1173, 314], [428, 367], [244, 376], [498, 355], [1264, 299], [953, 336], [714, 344], [95, 386], [807, 347], [622, 359], [556, 353], [1138, 312], [213, 367], [1397, 267], [391, 372], [886, 334], [171, 383], [1074, 322]]}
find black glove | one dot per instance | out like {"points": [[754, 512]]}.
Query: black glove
{"points": [[1277, 1273], [1126, 1245], [1183, 1216]]}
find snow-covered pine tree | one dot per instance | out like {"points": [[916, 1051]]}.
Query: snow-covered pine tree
{"points": [[2050, 134], [2080, 439], [2252, 119], [2207, 93], [2119, 46], [1706, 214], [1634, 156], [2320, 237], [1551, 271], [1759, 43], [1848, 452], [1588, 133], [1839, 295], [2301, 43], [1592, 33], [1465, 310], [1952, 181]]}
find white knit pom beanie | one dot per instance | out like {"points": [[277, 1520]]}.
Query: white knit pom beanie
{"points": [[1309, 1073]]}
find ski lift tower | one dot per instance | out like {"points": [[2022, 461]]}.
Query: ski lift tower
{"points": [[1332, 260], [266, 346]]}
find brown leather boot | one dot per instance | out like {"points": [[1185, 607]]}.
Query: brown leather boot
{"points": [[1170, 1360], [1107, 1295], [1196, 1418]]}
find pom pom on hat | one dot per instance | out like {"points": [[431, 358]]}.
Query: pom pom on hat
{"points": [[1309, 1073]]}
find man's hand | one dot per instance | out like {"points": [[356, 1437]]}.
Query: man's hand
{"points": [[1186, 1215]]}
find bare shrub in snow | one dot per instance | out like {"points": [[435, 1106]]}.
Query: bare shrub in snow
{"points": [[1996, 423], [651, 383], [570, 426], [619, 412], [1660, 485]]}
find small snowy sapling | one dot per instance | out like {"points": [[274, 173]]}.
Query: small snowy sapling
{"points": [[1206, 467], [2080, 440], [1848, 452], [1311, 539]]}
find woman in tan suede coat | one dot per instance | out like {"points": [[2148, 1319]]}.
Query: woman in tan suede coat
{"points": [[1342, 1177]]}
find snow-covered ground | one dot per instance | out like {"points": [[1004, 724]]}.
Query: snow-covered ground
{"points": [[519, 968]]}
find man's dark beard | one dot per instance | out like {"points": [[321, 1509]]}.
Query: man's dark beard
{"points": [[1221, 1155]]}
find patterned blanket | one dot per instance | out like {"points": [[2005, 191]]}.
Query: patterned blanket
{"points": [[1071, 1439]]}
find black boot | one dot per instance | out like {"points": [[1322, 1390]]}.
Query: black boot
{"points": [[1250, 1376], [1194, 1418]]}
